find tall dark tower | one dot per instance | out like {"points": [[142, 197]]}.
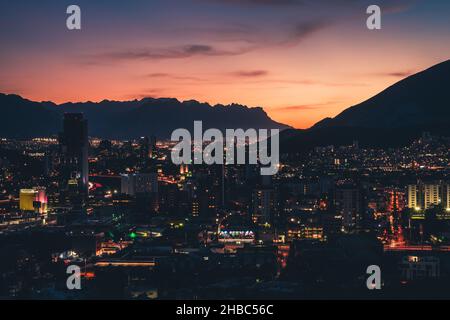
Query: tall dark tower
{"points": [[144, 153], [144, 148], [74, 159]]}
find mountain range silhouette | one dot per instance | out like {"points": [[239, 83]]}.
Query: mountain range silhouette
{"points": [[395, 116]]}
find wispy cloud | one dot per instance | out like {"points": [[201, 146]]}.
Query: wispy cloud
{"points": [[147, 93], [396, 74], [160, 75], [180, 52], [311, 82], [304, 29], [250, 73], [311, 106], [294, 34], [313, 16]]}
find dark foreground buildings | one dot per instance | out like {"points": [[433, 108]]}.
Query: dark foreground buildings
{"points": [[142, 227]]}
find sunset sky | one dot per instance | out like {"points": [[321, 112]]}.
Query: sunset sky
{"points": [[301, 60]]}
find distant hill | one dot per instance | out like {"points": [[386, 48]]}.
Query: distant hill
{"points": [[22, 118], [393, 117]]}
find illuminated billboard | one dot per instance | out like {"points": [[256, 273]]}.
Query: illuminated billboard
{"points": [[243, 236]]}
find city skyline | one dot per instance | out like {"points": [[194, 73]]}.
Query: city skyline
{"points": [[300, 61], [211, 151]]}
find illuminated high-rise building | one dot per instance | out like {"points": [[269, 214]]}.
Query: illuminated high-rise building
{"points": [[26, 199], [33, 200], [413, 196], [447, 197], [431, 195], [74, 159], [424, 196]]}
